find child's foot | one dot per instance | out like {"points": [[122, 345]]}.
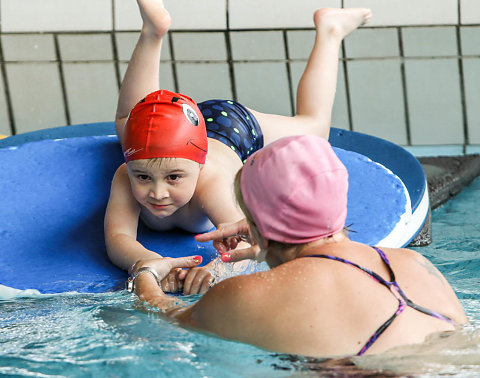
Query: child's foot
{"points": [[156, 19], [340, 22]]}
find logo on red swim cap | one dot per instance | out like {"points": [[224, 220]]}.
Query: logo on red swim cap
{"points": [[165, 125]]}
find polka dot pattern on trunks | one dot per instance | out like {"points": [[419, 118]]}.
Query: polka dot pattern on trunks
{"points": [[232, 124]]}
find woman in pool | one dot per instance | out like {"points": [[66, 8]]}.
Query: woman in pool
{"points": [[325, 295]]}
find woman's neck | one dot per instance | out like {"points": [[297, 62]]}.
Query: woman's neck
{"points": [[283, 255]]}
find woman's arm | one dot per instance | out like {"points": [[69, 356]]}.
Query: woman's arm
{"points": [[227, 237]]}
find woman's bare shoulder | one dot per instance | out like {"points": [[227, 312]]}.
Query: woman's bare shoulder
{"points": [[222, 309], [408, 256]]}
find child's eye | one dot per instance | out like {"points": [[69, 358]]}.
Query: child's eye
{"points": [[173, 177], [143, 177]]}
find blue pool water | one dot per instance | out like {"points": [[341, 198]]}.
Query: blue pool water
{"points": [[114, 335]]}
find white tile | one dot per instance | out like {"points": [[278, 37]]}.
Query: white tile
{"points": [[430, 41], [127, 15], [340, 106], [296, 72], [197, 15], [470, 37], [204, 81], [376, 97], [266, 14], [126, 42], [122, 68], [81, 47], [4, 127], [263, 86], [166, 77], [300, 43], [433, 93], [368, 43], [55, 15], [91, 91], [470, 11], [28, 47], [471, 72], [409, 12], [186, 14], [253, 45], [4, 120], [36, 95], [199, 46]]}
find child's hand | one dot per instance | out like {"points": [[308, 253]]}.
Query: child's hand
{"points": [[196, 280], [172, 283], [146, 286]]}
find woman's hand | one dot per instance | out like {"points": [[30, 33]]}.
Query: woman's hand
{"points": [[227, 237]]}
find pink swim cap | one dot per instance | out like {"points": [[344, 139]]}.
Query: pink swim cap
{"points": [[296, 189], [165, 125]]}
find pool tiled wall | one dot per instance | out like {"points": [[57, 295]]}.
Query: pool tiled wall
{"points": [[412, 76]]}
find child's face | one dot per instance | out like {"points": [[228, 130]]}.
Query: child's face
{"points": [[164, 185]]}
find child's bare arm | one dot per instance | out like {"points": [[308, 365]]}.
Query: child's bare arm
{"points": [[217, 199], [121, 222], [218, 202]]}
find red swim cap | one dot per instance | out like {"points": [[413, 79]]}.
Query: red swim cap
{"points": [[165, 125]]}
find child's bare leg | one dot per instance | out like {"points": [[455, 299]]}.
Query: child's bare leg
{"points": [[316, 89], [142, 75]]}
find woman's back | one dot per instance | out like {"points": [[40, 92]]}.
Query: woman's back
{"points": [[323, 306]]}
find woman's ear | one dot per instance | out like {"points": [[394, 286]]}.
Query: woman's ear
{"points": [[264, 243], [261, 241]]}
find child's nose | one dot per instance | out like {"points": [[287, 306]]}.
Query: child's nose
{"points": [[158, 191]]}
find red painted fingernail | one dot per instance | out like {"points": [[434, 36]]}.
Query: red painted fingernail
{"points": [[226, 257], [197, 259]]}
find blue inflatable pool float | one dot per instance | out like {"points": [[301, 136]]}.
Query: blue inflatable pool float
{"points": [[54, 187]]}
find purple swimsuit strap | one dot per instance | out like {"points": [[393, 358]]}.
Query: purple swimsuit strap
{"points": [[394, 288]]}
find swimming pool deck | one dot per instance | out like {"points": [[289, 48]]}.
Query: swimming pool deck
{"points": [[446, 177]]}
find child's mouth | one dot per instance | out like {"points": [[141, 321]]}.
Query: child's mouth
{"points": [[159, 207]]}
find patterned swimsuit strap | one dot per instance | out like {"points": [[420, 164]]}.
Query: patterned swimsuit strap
{"points": [[388, 284], [392, 285], [408, 302]]}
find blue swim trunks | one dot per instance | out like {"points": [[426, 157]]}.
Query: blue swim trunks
{"points": [[232, 124]]}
